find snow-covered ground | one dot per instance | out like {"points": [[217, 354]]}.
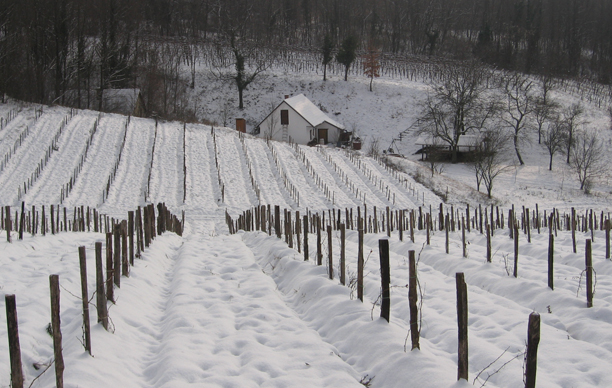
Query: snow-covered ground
{"points": [[211, 309]]}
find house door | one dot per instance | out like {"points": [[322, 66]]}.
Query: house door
{"points": [[322, 136]]}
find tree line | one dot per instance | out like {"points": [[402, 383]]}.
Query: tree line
{"points": [[53, 49], [475, 115]]}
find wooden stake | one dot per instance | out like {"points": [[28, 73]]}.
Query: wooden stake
{"points": [[385, 279], [56, 330], [85, 299], [551, 253], [589, 273], [413, 300], [13, 339], [100, 295], [531, 359], [462, 322]]}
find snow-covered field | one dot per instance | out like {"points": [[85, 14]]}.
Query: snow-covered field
{"points": [[211, 309]]}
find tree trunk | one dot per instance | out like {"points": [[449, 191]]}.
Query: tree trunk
{"points": [[518, 153], [325, 72], [346, 70], [240, 104]]}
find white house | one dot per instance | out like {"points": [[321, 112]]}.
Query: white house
{"points": [[298, 120]]}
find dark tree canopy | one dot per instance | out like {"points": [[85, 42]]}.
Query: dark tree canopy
{"points": [[347, 53]]}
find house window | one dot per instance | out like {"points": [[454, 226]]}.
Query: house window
{"points": [[284, 117]]}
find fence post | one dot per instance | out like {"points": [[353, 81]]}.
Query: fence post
{"points": [[7, 224], [277, 221], [489, 231], [412, 300], [109, 268], [100, 296], [305, 238], [462, 322], [319, 250], [385, 278], [125, 265], [85, 297], [360, 261], [531, 359], [607, 227], [589, 273], [343, 254], [131, 235], [13, 338], [57, 333], [516, 250], [329, 249], [551, 253], [117, 254]]}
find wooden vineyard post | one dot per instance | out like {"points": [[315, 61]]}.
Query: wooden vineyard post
{"points": [[531, 359], [146, 228], [125, 265], [463, 236], [109, 268], [329, 251], [85, 298], [22, 220], [388, 223], [7, 223], [100, 295], [489, 229], [360, 261], [589, 273], [319, 250], [551, 253], [277, 221], [117, 255], [343, 254], [462, 322], [516, 250], [13, 339], [413, 300], [306, 238], [56, 330], [607, 227], [573, 226], [298, 231], [140, 234], [400, 225], [412, 226], [446, 230], [385, 279], [131, 236]]}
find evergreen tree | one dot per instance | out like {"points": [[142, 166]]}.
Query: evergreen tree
{"points": [[326, 50], [347, 54]]}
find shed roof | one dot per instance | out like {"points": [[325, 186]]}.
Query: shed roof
{"points": [[310, 112]]}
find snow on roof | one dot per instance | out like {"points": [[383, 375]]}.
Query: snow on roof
{"points": [[310, 112]]}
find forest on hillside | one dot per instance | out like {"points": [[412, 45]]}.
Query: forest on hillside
{"points": [[51, 50]]}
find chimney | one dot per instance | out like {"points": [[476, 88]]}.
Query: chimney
{"points": [[286, 96], [241, 125]]}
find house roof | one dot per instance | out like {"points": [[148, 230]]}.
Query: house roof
{"points": [[309, 111]]}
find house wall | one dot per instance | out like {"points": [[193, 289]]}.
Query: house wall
{"points": [[333, 133], [298, 130]]}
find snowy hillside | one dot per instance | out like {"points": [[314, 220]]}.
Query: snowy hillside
{"points": [[214, 309]]}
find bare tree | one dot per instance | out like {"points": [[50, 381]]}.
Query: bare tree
{"points": [[572, 118], [587, 158], [456, 106], [555, 138], [543, 112], [520, 104], [272, 125], [489, 160]]}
